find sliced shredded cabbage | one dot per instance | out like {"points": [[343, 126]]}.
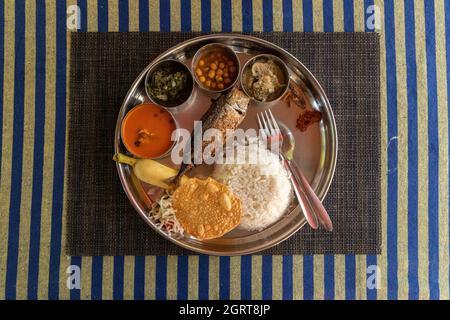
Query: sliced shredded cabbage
{"points": [[163, 215]]}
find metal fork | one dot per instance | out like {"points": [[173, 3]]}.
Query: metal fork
{"points": [[311, 205]]}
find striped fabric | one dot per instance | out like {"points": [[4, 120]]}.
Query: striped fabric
{"points": [[415, 88]]}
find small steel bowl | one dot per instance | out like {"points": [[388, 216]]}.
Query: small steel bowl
{"points": [[284, 70], [208, 48], [174, 64], [169, 150]]}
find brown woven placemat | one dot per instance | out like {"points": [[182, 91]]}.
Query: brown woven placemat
{"points": [[101, 221]]}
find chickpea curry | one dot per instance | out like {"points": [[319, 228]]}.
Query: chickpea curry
{"points": [[216, 70]]}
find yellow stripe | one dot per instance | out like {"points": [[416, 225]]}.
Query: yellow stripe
{"points": [[422, 111], [172, 266], [402, 165], [297, 277], [92, 24], [256, 277], [128, 277], [441, 71], [277, 16], [338, 15], [196, 15], [153, 7], [358, 14], [382, 259], [257, 10], [318, 15], [297, 15], [214, 283], [360, 277], [28, 149], [108, 276], [235, 278], [175, 17], [133, 9], [47, 188], [339, 277], [150, 277], [318, 277], [113, 16], [236, 9], [7, 136], [216, 16], [193, 278], [277, 277], [86, 274]]}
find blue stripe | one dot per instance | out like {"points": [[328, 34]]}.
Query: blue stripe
{"points": [[391, 81], [2, 61], [143, 15], [267, 16], [226, 16], [203, 277], [123, 15], [308, 16], [16, 167], [372, 293], [161, 279], [287, 278], [82, 4], [102, 15], [206, 15], [328, 15], [433, 152], [247, 16], [38, 157], [118, 277], [447, 46], [224, 278], [75, 293], [288, 25], [266, 277], [186, 15], [349, 20], [97, 278], [370, 259], [368, 11], [139, 277], [182, 275], [328, 277], [246, 277], [413, 185], [164, 15], [350, 267], [59, 152], [308, 277]]}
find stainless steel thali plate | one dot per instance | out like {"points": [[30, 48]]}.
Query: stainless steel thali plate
{"points": [[315, 154]]}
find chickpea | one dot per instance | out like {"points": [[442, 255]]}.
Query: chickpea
{"points": [[219, 72], [233, 69], [202, 79], [227, 81], [226, 75], [201, 63], [208, 83], [198, 71], [219, 79], [211, 74], [230, 63], [216, 62], [213, 85], [220, 86], [221, 65], [213, 66]]}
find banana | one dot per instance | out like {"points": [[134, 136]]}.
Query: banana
{"points": [[150, 171]]}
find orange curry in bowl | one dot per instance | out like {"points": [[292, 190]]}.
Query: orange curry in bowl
{"points": [[147, 130]]}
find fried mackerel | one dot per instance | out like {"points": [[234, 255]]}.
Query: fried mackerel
{"points": [[206, 209], [227, 112]]}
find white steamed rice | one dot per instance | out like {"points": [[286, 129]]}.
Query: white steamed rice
{"points": [[263, 188]]}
